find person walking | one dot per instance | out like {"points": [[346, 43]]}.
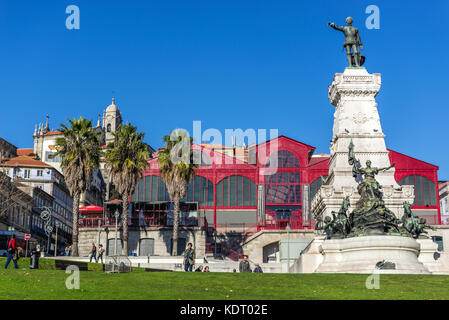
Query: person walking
{"points": [[100, 253], [189, 258], [12, 252], [93, 252], [244, 265]]}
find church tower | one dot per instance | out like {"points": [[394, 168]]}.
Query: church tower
{"points": [[112, 119]]}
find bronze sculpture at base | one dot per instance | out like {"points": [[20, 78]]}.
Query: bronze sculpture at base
{"points": [[370, 216]]}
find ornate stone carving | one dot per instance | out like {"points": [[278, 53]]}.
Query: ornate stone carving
{"points": [[348, 191], [388, 191], [328, 191], [360, 118]]}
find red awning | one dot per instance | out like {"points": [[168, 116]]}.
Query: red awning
{"points": [[91, 209]]}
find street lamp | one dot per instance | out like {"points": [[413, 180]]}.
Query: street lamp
{"points": [[99, 230], [56, 238], [288, 246], [117, 215]]}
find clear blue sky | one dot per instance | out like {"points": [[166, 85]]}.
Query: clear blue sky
{"points": [[231, 64]]}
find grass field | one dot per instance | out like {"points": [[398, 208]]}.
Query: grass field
{"points": [[48, 283]]}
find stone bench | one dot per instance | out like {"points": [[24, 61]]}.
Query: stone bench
{"points": [[63, 264]]}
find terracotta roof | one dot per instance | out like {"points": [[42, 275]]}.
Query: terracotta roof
{"points": [[25, 152], [24, 161], [53, 133], [316, 160]]}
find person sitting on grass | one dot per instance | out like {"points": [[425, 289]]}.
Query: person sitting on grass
{"points": [[206, 269], [12, 252], [258, 269], [199, 269]]}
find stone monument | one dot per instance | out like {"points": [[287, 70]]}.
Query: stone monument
{"points": [[360, 207]]}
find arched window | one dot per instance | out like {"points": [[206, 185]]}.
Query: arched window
{"points": [[236, 191], [282, 159], [315, 186], [425, 194], [109, 127], [150, 189], [283, 187], [200, 190]]}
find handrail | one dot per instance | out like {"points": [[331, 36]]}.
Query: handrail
{"points": [[138, 222]]}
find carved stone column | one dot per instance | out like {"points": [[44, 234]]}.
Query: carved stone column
{"points": [[356, 117]]}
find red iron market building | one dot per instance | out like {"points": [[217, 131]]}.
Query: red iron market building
{"points": [[228, 193]]}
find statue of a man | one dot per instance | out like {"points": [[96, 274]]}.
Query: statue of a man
{"points": [[352, 41]]}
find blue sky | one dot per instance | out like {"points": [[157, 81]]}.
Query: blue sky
{"points": [[231, 64]]}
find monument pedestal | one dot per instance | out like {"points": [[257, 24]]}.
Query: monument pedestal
{"points": [[356, 118], [361, 254]]}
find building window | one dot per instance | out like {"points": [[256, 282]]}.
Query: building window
{"points": [[49, 157], [109, 129], [425, 192], [27, 174], [315, 186], [236, 191], [151, 189], [40, 173], [200, 190], [438, 240], [283, 159]]}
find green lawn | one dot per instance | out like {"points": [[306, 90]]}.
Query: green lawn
{"points": [[48, 283]]}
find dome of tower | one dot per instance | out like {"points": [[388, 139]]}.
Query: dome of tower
{"points": [[112, 107]]}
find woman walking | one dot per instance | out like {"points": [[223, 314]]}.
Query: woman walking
{"points": [[12, 252], [100, 253]]}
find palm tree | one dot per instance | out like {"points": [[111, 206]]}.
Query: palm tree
{"points": [[126, 159], [177, 168], [80, 153]]}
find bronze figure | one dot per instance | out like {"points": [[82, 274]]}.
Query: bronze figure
{"points": [[352, 42]]}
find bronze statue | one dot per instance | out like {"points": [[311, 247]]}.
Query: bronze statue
{"points": [[370, 216], [352, 41], [412, 224], [338, 227], [369, 187]]}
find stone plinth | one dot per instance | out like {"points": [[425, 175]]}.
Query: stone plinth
{"points": [[356, 118], [361, 254]]}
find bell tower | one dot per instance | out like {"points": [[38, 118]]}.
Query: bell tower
{"points": [[112, 119]]}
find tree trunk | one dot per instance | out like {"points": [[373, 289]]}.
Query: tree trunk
{"points": [[175, 226], [75, 227], [125, 224]]}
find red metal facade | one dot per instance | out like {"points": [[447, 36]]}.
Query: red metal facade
{"points": [[310, 168]]}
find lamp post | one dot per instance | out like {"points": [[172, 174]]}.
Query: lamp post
{"points": [[215, 244], [117, 215], [56, 238], [288, 246], [99, 223]]}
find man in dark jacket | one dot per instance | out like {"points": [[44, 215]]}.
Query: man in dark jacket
{"points": [[244, 265], [189, 258]]}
